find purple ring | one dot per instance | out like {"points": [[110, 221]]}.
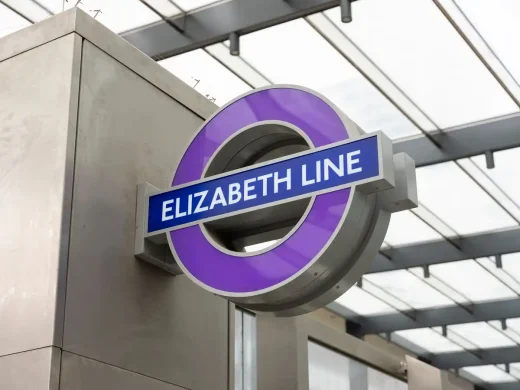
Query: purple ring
{"points": [[235, 275]]}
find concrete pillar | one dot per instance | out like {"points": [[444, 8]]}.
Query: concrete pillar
{"points": [[357, 375], [282, 357], [84, 118], [422, 376]]}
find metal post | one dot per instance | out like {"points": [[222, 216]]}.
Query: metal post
{"points": [[346, 11], [234, 44], [498, 261], [357, 375], [490, 160]]}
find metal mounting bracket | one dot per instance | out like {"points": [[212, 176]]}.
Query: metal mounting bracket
{"points": [[404, 195], [152, 249]]}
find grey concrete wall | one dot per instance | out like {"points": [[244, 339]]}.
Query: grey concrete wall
{"points": [[282, 356], [79, 373], [78, 131], [37, 135], [38, 369], [38, 106], [121, 311]]}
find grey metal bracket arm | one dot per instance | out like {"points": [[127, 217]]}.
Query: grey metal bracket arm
{"points": [[404, 195], [152, 249]]}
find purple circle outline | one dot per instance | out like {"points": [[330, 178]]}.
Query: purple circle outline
{"points": [[240, 276]]}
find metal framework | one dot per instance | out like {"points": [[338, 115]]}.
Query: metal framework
{"points": [[500, 386], [213, 24], [491, 243], [463, 141], [461, 359], [451, 315]]}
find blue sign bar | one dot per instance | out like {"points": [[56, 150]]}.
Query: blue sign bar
{"points": [[312, 172]]}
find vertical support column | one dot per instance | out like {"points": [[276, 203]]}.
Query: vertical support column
{"points": [[234, 347], [282, 356], [358, 375], [39, 84], [422, 376], [249, 352]]}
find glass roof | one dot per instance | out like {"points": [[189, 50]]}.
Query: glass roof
{"points": [[190, 5], [117, 15], [441, 70], [164, 7], [417, 230], [481, 334], [303, 51], [10, 21], [490, 29], [27, 9], [505, 275], [429, 340], [206, 75], [444, 288], [454, 197], [455, 274], [361, 302], [489, 374], [238, 65], [452, 64], [505, 168]]}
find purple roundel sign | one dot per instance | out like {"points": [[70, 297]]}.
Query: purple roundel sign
{"points": [[284, 165]]}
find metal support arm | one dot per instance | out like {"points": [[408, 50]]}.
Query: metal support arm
{"points": [[155, 249]]}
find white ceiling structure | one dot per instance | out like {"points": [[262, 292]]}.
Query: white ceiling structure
{"points": [[408, 68]]}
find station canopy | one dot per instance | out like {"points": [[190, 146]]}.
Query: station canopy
{"points": [[438, 77]]}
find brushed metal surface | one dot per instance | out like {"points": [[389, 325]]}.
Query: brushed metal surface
{"points": [[282, 353], [119, 310], [37, 136], [31, 370], [36, 35], [80, 373]]}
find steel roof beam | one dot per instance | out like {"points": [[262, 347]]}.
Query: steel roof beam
{"points": [[441, 251], [483, 357], [451, 315], [215, 23], [463, 141], [499, 386]]}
